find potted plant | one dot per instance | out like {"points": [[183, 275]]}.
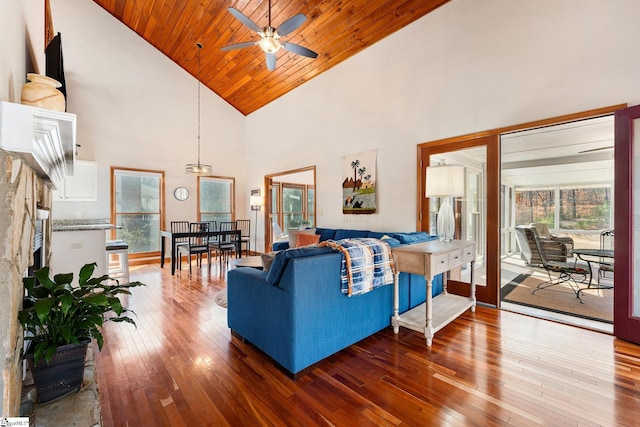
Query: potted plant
{"points": [[60, 319]]}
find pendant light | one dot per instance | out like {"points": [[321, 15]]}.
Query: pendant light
{"points": [[199, 168]]}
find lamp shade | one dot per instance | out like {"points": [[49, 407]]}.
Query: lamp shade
{"points": [[444, 181], [255, 200]]}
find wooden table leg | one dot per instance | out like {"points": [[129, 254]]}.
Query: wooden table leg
{"points": [[428, 329], [396, 303], [161, 251]]}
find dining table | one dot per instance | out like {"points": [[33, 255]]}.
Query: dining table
{"points": [[175, 238]]}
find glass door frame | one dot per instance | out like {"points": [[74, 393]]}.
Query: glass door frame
{"points": [[625, 324], [490, 294], [486, 294]]}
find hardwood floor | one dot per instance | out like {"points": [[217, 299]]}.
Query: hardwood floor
{"points": [[180, 367]]}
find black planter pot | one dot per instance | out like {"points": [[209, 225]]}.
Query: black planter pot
{"points": [[62, 375]]}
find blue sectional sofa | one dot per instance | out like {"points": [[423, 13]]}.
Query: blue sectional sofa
{"points": [[296, 313]]}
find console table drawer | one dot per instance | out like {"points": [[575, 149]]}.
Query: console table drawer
{"points": [[455, 258], [468, 254], [440, 263]]}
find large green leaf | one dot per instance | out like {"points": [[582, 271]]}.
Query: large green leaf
{"points": [[43, 307]]}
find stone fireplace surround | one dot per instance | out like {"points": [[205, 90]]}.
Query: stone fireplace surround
{"points": [[37, 150], [22, 193]]}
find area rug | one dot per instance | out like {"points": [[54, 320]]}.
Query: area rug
{"points": [[598, 304], [221, 298]]}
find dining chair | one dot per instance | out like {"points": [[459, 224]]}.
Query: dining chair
{"points": [[197, 244], [245, 238], [179, 227], [225, 244]]}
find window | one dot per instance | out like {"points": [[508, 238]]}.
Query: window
{"points": [[136, 207], [535, 205], [216, 199], [578, 207], [585, 208]]}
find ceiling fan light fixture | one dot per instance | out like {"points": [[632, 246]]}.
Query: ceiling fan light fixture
{"points": [[269, 42], [198, 169]]}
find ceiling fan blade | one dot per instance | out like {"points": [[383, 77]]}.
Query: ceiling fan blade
{"points": [[299, 50], [244, 19], [238, 45], [291, 24], [271, 61]]}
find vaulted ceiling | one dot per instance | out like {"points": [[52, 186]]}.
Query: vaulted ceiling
{"points": [[335, 29]]}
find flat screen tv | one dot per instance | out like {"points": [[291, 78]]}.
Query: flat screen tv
{"points": [[54, 62]]}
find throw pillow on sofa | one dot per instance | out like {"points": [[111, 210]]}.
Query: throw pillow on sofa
{"points": [[267, 260], [293, 235], [305, 239]]}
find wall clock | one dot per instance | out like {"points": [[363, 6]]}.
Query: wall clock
{"points": [[181, 193]]}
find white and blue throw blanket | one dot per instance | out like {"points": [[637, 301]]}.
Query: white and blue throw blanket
{"points": [[366, 264]]}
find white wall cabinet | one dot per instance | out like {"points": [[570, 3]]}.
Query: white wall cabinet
{"points": [[82, 186]]}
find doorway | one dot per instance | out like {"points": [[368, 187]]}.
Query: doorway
{"points": [[290, 202], [557, 207]]}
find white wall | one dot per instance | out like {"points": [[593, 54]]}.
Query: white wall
{"points": [[138, 109], [467, 67]]}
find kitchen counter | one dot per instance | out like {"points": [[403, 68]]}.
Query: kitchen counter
{"points": [[82, 225], [86, 244]]}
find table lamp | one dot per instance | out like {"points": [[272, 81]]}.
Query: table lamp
{"points": [[445, 181]]}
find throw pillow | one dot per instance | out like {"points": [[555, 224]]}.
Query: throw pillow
{"points": [[305, 239], [267, 260], [293, 235]]}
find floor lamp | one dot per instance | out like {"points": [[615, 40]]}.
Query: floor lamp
{"points": [[256, 204], [445, 181]]}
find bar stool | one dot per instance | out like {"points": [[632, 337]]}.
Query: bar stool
{"points": [[121, 249]]}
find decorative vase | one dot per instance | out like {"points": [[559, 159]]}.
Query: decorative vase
{"points": [[42, 91]]}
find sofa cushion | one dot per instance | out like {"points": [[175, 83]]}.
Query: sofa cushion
{"points": [[305, 239], [283, 257], [413, 237], [326, 233], [349, 234], [391, 241], [376, 235]]}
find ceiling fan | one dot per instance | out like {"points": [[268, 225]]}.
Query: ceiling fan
{"points": [[270, 37]]}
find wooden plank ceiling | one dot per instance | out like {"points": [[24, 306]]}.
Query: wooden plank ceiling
{"points": [[335, 29]]}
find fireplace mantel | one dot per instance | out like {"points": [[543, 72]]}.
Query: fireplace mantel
{"points": [[44, 139]]}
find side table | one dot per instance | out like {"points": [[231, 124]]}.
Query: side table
{"points": [[430, 259]]}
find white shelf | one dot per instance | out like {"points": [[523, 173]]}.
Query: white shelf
{"points": [[44, 139], [446, 308]]}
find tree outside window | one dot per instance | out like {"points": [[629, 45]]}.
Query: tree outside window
{"points": [[216, 195], [137, 209]]}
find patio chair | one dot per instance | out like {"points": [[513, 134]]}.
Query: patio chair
{"points": [[545, 234], [605, 266], [565, 271], [556, 251]]}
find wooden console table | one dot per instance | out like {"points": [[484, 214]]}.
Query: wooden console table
{"points": [[430, 259]]}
